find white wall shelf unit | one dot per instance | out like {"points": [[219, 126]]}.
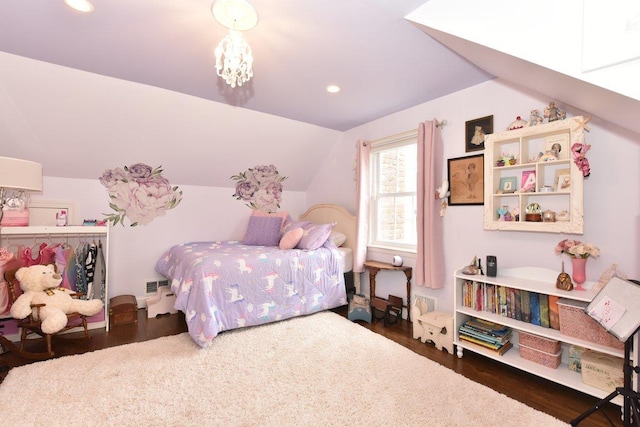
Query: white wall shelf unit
{"points": [[526, 145], [28, 236], [541, 281]]}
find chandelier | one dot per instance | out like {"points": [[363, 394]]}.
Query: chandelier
{"points": [[234, 61]]}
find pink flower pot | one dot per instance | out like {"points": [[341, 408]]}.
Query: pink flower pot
{"points": [[579, 274]]}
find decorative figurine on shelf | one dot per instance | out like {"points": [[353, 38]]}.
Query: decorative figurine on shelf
{"points": [[472, 268], [534, 118], [553, 113], [502, 211], [564, 280], [518, 123]]}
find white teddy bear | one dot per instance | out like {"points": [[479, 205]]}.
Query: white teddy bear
{"points": [[40, 284]]}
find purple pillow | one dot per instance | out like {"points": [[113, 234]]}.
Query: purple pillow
{"points": [[263, 231], [314, 236]]}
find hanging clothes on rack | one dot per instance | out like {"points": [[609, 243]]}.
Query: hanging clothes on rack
{"points": [[99, 273], [89, 268], [66, 266], [81, 253], [8, 261], [46, 255]]}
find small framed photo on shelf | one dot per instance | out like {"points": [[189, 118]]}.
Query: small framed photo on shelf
{"points": [[508, 184], [557, 146], [466, 180], [560, 172], [563, 185], [528, 183], [475, 132]]}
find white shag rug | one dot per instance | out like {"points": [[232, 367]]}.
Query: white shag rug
{"points": [[318, 370]]}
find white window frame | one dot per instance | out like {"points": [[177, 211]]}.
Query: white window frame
{"points": [[395, 141]]}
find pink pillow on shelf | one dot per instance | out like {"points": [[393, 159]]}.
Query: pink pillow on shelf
{"points": [[291, 238]]}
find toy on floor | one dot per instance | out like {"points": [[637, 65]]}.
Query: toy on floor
{"points": [[162, 303], [359, 308], [434, 326], [40, 284]]}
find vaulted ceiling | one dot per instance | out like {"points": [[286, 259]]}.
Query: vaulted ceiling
{"points": [[382, 62], [135, 80]]}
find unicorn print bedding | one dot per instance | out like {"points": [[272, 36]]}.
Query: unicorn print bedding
{"points": [[226, 285]]}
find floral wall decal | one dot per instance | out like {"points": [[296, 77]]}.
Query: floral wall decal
{"points": [[261, 186], [138, 192]]}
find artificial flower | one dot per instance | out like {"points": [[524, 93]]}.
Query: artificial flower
{"points": [[261, 186], [138, 192], [579, 153], [577, 249]]}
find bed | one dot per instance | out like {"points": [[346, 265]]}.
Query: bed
{"points": [[225, 285]]}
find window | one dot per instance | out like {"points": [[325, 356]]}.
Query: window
{"points": [[393, 202]]}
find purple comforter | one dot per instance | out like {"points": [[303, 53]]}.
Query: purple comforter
{"points": [[227, 285]]}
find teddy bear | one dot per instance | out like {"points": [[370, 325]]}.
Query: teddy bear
{"points": [[40, 284]]}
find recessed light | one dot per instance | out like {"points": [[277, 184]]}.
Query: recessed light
{"points": [[80, 5], [333, 88]]}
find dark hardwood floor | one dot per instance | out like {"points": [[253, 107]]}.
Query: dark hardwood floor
{"points": [[556, 400]]}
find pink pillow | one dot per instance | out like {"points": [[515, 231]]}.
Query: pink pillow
{"points": [[291, 238], [281, 214]]}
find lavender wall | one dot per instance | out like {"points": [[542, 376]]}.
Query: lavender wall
{"points": [[611, 203]]}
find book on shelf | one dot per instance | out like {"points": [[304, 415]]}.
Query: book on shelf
{"points": [[502, 301], [554, 315], [486, 344], [511, 299], [495, 329], [534, 303], [466, 330], [499, 349], [544, 310], [518, 304], [526, 306]]}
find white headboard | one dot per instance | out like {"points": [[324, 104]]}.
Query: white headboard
{"points": [[326, 213]]}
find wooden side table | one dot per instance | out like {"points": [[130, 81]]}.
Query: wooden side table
{"points": [[375, 266]]}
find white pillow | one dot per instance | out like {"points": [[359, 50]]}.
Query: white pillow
{"points": [[337, 238]]}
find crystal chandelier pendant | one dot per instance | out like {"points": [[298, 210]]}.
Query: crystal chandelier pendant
{"points": [[234, 62]]}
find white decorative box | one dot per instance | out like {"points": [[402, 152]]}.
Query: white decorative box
{"points": [[601, 370]]}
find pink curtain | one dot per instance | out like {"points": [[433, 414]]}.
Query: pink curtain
{"points": [[363, 149], [430, 256]]}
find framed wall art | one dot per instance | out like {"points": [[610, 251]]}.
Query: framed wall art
{"points": [[466, 180], [508, 184], [475, 133]]}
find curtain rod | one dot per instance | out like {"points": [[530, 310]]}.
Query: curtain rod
{"points": [[400, 136]]}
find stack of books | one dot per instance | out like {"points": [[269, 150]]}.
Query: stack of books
{"points": [[487, 334]]}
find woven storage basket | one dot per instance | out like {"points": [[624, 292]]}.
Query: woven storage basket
{"points": [[574, 322], [538, 343]]}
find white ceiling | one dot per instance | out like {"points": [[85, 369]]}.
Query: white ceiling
{"points": [[382, 62]]}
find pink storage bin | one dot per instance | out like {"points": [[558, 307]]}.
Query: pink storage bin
{"points": [[550, 360], [574, 322], [538, 343], [12, 218]]}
